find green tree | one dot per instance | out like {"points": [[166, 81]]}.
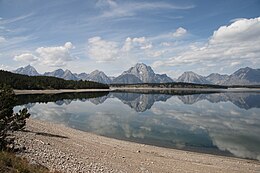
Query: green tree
{"points": [[9, 121]]}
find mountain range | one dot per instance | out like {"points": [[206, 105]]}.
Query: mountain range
{"points": [[141, 73], [243, 76]]}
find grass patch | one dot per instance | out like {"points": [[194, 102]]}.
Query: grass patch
{"points": [[10, 163]]}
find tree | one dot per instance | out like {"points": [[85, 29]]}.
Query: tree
{"points": [[9, 121], [18, 81]]}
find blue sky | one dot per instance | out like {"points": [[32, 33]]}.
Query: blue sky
{"points": [[171, 36]]}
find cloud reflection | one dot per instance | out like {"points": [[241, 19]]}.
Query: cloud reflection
{"points": [[221, 122]]}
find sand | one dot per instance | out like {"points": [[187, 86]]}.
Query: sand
{"points": [[69, 150]]}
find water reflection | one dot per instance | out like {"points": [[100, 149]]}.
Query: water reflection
{"points": [[223, 123], [242, 100]]}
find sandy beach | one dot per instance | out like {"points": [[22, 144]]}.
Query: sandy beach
{"points": [[68, 150]]}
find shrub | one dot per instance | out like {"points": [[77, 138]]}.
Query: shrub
{"points": [[10, 163], [9, 121]]}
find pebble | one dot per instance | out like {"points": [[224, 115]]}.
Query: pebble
{"points": [[39, 152]]}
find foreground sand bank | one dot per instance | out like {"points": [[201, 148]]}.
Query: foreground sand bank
{"points": [[62, 148]]}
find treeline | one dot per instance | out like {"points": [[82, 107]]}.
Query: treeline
{"points": [[169, 85], [244, 86], [45, 98], [18, 81]]}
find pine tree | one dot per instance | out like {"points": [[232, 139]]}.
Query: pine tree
{"points": [[9, 121]]}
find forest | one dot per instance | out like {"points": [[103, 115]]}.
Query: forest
{"points": [[24, 82]]}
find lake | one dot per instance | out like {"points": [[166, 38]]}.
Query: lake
{"points": [[217, 123]]}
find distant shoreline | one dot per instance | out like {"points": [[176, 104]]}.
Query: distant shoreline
{"points": [[22, 92], [191, 89]]}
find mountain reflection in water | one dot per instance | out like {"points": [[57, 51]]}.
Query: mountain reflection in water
{"points": [[220, 123]]}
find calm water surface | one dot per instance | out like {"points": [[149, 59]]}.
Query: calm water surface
{"points": [[218, 123]]}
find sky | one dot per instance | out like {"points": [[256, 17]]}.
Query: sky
{"points": [[171, 36]]}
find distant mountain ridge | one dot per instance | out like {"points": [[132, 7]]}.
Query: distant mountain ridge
{"points": [[144, 73], [217, 79], [98, 76], [244, 76], [67, 74], [141, 73], [27, 70], [191, 77]]}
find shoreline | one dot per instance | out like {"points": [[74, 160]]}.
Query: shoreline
{"points": [[191, 89], [68, 150], [24, 92]]}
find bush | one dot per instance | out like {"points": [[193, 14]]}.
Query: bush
{"points": [[9, 121]]}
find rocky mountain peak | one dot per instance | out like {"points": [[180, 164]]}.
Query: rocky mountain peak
{"points": [[56, 73], [244, 76], [27, 70], [216, 78], [98, 76], [68, 75], [95, 72], [59, 70], [191, 77], [144, 73]]}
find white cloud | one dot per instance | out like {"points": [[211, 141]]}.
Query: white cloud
{"points": [[4, 67], [130, 51], [55, 56], [127, 45], [2, 39], [137, 42], [229, 45], [157, 64], [236, 19], [15, 19], [129, 9], [68, 45], [50, 56], [102, 50], [179, 32], [147, 46], [240, 31], [157, 53], [26, 57], [140, 40], [235, 63], [166, 44], [106, 3]]}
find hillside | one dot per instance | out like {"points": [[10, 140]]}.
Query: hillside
{"points": [[18, 81]]}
